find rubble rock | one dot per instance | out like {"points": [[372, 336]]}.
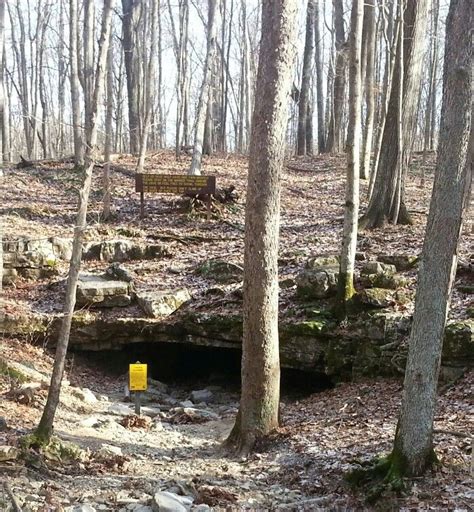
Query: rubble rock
{"points": [[84, 394], [377, 297], [202, 395], [165, 501], [96, 290], [8, 453], [221, 271], [318, 283], [162, 303]]}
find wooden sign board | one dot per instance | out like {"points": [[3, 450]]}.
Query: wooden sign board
{"points": [[138, 377], [175, 184]]}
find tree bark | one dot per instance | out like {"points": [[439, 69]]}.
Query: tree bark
{"points": [[45, 428], [335, 140], [2, 86], [369, 23], [304, 97], [319, 80], [387, 200], [109, 110], [131, 10], [258, 413], [148, 94], [75, 84], [413, 450], [351, 212], [201, 112]]}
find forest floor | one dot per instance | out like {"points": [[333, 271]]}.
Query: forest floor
{"points": [[40, 202], [322, 436], [301, 467]]}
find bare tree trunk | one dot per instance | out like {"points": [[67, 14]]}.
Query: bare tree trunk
{"points": [[413, 449], [429, 111], [88, 73], [109, 110], [60, 146], [74, 81], [2, 88], [335, 140], [369, 23], [159, 91], [391, 40], [351, 212], [45, 428], [201, 112], [319, 80], [131, 11], [258, 413], [149, 89], [304, 96], [2, 131], [387, 201]]}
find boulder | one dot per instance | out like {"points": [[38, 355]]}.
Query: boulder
{"points": [[9, 276], [84, 394], [108, 451], [8, 453], [377, 297], [384, 280], [164, 501], [221, 271], [323, 261], [162, 303], [317, 283], [400, 261], [123, 250], [97, 290], [202, 395], [375, 267]]}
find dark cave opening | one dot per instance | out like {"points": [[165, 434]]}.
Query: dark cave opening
{"points": [[193, 367]]}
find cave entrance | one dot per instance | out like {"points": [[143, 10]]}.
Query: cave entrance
{"points": [[196, 367]]}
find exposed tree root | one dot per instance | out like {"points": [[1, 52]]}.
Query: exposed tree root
{"points": [[378, 477], [383, 475]]}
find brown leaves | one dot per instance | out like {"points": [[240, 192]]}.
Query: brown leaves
{"points": [[133, 421], [215, 496]]}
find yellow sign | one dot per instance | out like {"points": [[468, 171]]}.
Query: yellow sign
{"points": [[138, 377]]}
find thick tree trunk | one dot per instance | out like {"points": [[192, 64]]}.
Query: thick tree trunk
{"points": [[131, 10], [201, 112], [319, 80], [387, 200], [258, 413], [413, 450], [45, 428], [304, 98], [351, 212]]}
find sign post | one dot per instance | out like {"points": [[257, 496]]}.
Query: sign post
{"points": [[175, 184], [138, 383]]}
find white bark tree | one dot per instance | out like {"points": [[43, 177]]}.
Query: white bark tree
{"points": [[351, 212]]}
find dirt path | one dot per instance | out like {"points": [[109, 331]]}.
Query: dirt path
{"points": [[300, 468]]}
